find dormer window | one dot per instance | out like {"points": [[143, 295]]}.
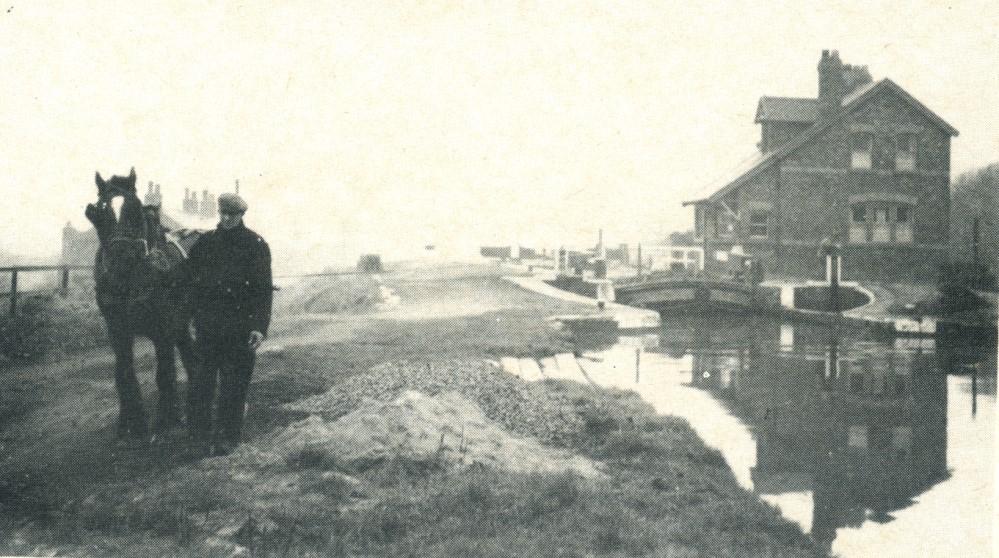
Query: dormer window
{"points": [[905, 152], [862, 144]]}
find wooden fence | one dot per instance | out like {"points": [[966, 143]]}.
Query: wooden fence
{"points": [[61, 286]]}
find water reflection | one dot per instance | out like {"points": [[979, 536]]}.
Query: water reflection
{"points": [[849, 429]]}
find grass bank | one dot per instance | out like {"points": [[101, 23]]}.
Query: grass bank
{"points": [[663, 493]]}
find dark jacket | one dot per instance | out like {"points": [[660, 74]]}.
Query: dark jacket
{"points": [[229, 272]]}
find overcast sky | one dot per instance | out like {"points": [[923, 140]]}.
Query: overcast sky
{"points": [[384, 126]]}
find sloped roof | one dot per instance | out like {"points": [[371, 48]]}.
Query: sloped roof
{"points": [[850, 102], [787, 109]]}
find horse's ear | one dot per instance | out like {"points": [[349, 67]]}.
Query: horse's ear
{"points": [[131, 177], [100, 181]]}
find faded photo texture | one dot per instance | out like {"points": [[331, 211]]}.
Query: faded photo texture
{"points": [[499, 279]]}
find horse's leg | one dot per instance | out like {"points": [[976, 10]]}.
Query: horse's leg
{"points": [[188, 356], [166, 384], [132, 416]]}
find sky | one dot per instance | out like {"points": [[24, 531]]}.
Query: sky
{"points": [[367, 126]]}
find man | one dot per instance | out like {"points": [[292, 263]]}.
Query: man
{"points": [[229, 270]]}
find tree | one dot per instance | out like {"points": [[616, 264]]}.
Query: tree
{"points": [[973, 195]]}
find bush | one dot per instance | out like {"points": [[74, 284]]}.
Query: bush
{"points": [[51, 323], [966, 275]]}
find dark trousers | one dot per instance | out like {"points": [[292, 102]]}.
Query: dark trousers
{"points": [[226, 362]]}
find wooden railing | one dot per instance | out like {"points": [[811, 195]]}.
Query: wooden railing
{"points": [[20, 270]]}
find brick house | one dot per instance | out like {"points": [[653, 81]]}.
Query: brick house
{"points": [[864, 165]]}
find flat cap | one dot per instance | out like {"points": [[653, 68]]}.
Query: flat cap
{"points": [[231, 203]]}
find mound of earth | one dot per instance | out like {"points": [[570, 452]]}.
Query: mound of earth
{"points": [[525, 408], [447, 428]]}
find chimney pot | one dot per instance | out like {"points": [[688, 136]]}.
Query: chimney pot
{"points": [[832, 84]]}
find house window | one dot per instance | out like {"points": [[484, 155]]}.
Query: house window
{"points": [[758, 221], [699, 222], [905, 152], [881, 222], [880, 229], [862, 144], [677, 254], [858, 225], [903, 224]]}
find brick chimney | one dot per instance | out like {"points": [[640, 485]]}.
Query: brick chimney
{"points": [[832, 86]]}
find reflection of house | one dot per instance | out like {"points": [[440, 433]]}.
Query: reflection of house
{"points": [[861, 426], [864, 164]]}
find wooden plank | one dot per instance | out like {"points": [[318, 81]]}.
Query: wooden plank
{"points": [[549, 368], [26, 268], [511, 365], [529, 370], [570, 369]]}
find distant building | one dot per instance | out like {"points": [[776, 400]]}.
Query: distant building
{"points": [[673, 258], [79, 247], [497, 252], [864, 165]]}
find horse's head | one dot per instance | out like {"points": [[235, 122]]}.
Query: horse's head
{"points": [[121, 226]]}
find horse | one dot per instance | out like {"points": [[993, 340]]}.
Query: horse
{"points": [[138, 276]]}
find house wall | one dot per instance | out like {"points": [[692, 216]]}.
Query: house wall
{"points": [[812, 190], [775, 134]]}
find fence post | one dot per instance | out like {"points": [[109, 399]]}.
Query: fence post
{"points": [[65, 280], [13, 292]]}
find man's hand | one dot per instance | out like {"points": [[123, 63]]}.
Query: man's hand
{"points": [[256, 339]]}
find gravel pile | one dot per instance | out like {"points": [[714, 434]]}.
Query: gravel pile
{"points": [[448, 429], [528, 409]]}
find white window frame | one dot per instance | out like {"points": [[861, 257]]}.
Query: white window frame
{"points": [[858, 229], [905, 152], [861, 157], [753, 224]]}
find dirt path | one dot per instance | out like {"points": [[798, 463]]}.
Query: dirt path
{"points": [[57, 417], [66, 487]]}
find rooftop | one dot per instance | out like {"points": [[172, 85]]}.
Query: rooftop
{"points": [[787, 109]]}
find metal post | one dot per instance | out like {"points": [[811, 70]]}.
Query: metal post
{"points": [[65, 280], [834, 282], [13, 292], [638, 364], [974, 390], [639, 260]]}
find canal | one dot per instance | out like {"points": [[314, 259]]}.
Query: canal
{"points": [[874, 446]]}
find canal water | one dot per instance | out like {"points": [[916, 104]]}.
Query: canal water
{"points": [[874, 446]]}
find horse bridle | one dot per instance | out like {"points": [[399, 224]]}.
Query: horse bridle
{"points": [[120, 238]]}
